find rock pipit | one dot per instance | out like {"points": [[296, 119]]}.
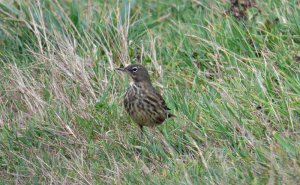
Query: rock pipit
{"points": [[142, 101]]}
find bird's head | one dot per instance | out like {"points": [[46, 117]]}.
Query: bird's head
{"points": [[137, 72]]}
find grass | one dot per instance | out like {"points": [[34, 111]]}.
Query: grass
{"points": [[234, 85]]}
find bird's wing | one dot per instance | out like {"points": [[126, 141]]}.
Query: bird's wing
{"points": [[159, 99], [163, 104], [154, 99], [162, 101]]}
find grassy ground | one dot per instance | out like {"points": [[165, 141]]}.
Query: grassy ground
{"points": [[234, 84]]}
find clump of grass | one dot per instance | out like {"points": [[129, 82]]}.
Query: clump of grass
{"points": [[234, 86]]}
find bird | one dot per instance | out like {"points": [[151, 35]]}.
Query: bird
{"points": [[142, 101]]}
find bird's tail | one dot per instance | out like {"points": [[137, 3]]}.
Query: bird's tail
{"points": [[171, 115]]}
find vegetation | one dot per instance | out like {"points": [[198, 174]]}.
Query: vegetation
{"points": [[233, 82]]}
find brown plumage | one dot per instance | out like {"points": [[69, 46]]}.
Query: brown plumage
{"points": [[142, 101]]}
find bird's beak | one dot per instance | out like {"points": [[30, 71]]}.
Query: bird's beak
{"points": [[121, 69]]}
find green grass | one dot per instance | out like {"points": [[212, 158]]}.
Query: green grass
{"points": [[233, 84]]}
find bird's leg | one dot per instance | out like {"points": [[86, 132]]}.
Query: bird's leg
{"points": [[142, 131]]}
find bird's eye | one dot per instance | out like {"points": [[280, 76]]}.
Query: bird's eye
{"points": [[134, 69]]}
